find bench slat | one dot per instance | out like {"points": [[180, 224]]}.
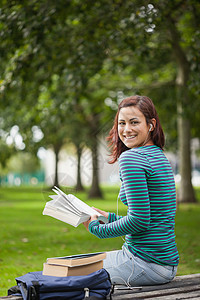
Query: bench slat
{"points": [[184, 287]]}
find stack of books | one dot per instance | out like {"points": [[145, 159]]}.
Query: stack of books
{"points": [[74, 265]]}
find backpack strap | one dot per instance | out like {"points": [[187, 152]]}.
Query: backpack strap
{"points": [[88, 297], [34, 291], [14, 290]]}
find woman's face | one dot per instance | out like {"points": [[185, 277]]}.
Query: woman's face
{"points": [[133, 130]]}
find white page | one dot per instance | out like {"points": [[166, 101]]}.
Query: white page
{"points": [[59, 192], [86, 208], [83, 206], [65, 208], [62, 200], [67, 212], [75, 202], [64, 217], [79, 205], [57, 202]]}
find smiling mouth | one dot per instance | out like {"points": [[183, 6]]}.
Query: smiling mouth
{"points": [[130, 137]]}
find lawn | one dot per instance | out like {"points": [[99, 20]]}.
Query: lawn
{"points": [[27, 237]]}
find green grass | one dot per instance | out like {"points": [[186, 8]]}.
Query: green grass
{"points": [[27, 237]]}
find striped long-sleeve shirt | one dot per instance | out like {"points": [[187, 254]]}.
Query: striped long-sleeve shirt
{"points": [[148, 189]]}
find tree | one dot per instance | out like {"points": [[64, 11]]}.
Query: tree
{"points": [[182, 31], [23, 162], [77, 38], [42, 38], [6, 153], [169, 30]]}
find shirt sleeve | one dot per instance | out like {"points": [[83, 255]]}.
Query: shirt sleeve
{"points": [[113, 217], [134, 170]]}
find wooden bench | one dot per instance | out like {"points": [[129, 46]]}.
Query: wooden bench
{"points": [[182, 287]]}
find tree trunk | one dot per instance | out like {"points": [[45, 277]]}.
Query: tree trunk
{"points": [[95, 191], [185, 191], [56, 152], [79, 186]]}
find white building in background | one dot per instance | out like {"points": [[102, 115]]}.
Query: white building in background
{"points": [[67, 167], [108, 174]]}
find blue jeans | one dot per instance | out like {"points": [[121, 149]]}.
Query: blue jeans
{"points": [[127, 269]]}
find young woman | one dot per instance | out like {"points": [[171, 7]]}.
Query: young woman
{"points": [[149, 255]]}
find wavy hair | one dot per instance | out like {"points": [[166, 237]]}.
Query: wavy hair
{"points": [[146, 106]]}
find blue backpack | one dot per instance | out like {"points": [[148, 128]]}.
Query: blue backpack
{"points": [[35, 286]]}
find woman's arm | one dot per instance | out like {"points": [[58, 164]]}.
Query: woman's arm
{"points": [[133, 172], [110, 216]]}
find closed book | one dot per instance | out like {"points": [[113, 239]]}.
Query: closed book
{"points": [[62, 271], [77, 260]]}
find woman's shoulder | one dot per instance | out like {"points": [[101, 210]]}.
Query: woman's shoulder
{"points": [[150, 150], [143, 156], [144, 151], [131, 155]]}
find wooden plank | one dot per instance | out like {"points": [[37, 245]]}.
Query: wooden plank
{"points": [[191, 296], [160, 294], [182, 287]]}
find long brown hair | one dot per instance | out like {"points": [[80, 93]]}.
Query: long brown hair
{"points": [[146, 106]]}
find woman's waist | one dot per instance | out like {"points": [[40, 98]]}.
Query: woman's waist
{"points": [[151, 237]]}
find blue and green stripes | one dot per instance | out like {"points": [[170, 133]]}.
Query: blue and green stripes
{"points": [[148, 189]]}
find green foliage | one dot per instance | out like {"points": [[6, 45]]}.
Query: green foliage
{"points": [[27, 237], [6, 152], [23, 162], [65, 65]]}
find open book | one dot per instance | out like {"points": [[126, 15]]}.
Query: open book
{"points": [[70, 209]]}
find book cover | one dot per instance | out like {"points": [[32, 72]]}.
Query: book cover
{"points": [[77, 260], [62, 271]]}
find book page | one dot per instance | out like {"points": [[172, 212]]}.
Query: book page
{"points": [[63, 198], [69, 204], [82, 205], [77, 203], [66, 217], [61, 203]]}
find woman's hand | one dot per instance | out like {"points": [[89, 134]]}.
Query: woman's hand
{"points": [[102, 212], [86, 223], [94, 217]]}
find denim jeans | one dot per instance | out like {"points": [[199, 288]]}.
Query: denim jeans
{"points": [[127, 269]]}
